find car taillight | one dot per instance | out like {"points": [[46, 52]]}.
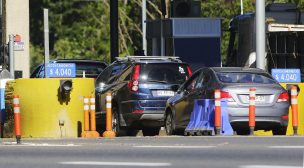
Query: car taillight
{"points": [[284, 117], [283, 97], [227, 96], [133, 83], [189, 70]]}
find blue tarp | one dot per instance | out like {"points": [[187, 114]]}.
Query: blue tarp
{"points": [[202, 118]]}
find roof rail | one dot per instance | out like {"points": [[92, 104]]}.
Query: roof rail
{"points": [[134, 58]]}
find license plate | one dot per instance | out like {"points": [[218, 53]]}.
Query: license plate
{"points": [[164, 93], [258, 98]]}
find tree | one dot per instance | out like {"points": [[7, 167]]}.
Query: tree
{"points": [[81, 29]]}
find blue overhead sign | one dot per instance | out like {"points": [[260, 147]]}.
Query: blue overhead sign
{"points": [[287, 75], [60, 70]]}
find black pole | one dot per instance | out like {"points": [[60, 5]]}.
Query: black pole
{"points": [[114, 29], [163, 8]]}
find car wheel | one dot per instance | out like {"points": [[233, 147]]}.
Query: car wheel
{"points": [[169, 124], [150, 131], [279, 130], [115, 122]]}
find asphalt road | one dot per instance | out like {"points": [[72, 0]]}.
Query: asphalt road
{"points": [[162, 151]]}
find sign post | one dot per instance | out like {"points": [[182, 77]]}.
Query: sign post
{"points": [[11, 55]]}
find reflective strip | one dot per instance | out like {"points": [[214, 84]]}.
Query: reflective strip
{"points": [[109, 98], [251, 103], [251, 94], [92, 100], [294, 101], [16, 101], [217, 95], [109, 105], [217, 103], [16, 110], [86, 100], [86, 107], [294, 92], [92, 107]]}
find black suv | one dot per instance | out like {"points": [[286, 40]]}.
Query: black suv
{"points": [[84, 67], [140, 87]]}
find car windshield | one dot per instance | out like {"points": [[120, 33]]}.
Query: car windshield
{"points": [[244, 77], [164, 73]]}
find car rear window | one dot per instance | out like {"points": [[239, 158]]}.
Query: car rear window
{"points": [[167, 73], [89, 69], [245, 77]]}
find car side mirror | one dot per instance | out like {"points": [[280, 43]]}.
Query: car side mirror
{"points": [[175, 87]]}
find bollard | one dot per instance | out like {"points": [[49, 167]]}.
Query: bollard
{"points": [[86, 114], [251, 110], [294, 108], [109, 133], [17, 118], [217, 112], [93, 131], [86, 121]]}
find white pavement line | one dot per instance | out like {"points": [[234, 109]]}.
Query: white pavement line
{"points": [[117, 163], [267, 166], [185, 147], [39, 145], [287, 147]]}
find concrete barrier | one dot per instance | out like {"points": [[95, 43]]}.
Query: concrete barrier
{"points": [[45, 113], [300, 114]]}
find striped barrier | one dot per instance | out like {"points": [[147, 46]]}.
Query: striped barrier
{"points": [[17, 118], [294, 108], [252, 110], [109, 133], [217, 112]]}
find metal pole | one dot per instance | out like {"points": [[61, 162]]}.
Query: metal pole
{"points": [[242, 11], [11, 55], [260, 34], [144, 18], [162, 40], [46, 38], [114, 29]]}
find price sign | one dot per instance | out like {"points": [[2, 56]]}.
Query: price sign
{"points": [[60, 70], [287, 75]]}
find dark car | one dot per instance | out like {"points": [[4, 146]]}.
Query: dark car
{"points": [[84, 67], [140, 87], [272, 100]]}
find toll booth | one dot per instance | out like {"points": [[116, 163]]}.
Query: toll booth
{"points": [[196, 41]]}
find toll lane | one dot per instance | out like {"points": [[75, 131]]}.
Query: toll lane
{"points": [[175, 151]]}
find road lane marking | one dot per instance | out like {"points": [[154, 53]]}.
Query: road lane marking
{"points": [[117, 163], [268, 166], [287, 147], [185, 147], [39, 145]]}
